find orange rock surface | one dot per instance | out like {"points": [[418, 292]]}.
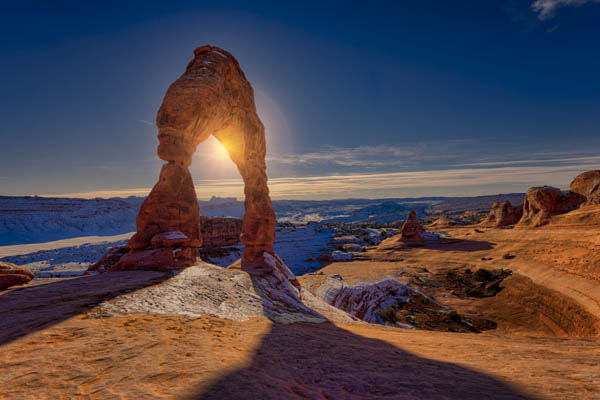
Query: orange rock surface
{"points": [[541, 203], [503, 214], [11, 275], [588, 185], [412, 229]]}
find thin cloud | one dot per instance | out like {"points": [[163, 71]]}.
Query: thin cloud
{"points": [[546, 9], [449, 182], [372, 157], [533, 161], [143, 121]]}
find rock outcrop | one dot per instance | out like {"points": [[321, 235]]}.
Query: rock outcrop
{"points": [[442, 222], [11, 274], [588, 185], [503, 214], [362, 301], [212, 97], [412, 229], [541, 203], [220, 231]]}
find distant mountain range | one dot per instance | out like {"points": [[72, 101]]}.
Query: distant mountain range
{"points": [[35, 219]]}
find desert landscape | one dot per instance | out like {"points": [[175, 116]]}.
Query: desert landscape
{"points": [[378, 271]]}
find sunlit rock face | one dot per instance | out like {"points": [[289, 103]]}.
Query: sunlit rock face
{"points": [[541, 203], [212, 97], [503, 214], [588, 185]]}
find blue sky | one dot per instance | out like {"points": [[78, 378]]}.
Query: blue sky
{"points": [[378, 99]]}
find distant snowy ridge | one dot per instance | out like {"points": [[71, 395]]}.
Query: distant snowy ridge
{"points": [[41, 219]]}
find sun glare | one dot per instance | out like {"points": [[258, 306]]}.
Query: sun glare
{"points": [[221, 150]]}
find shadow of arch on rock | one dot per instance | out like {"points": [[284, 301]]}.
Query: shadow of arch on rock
{"points": [[25, 310], [324, 361]]}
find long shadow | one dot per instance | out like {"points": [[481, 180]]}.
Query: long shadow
{"points": [[323, 361], [29, 309], [463, 245], [460, 245]]}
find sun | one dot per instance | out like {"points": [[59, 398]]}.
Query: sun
{"points": [[221, 150]]}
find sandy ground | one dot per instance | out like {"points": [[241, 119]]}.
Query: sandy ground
{"points": [[546, 345]]}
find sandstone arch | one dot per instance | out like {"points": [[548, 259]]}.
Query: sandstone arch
{"points": [[212, 97]]}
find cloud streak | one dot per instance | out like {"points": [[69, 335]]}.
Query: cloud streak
{"points": [[439, 182], [546, 9]]}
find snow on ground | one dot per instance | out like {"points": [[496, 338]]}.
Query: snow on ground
{"points": [[62, 258], [40, 219], [300, 246]]}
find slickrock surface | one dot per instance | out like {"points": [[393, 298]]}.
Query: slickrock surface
{"points": [[361, 301], [503, 214], [107, 336], [588, 185], [11, 275], [205, 289]]}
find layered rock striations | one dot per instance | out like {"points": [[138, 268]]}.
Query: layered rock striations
{"points": [[212, 97], [503, 214], [541, 203], [587, 184]]}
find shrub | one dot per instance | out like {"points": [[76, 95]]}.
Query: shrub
{"points": [[388, 314]]}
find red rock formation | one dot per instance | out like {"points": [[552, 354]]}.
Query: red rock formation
{"points": [[220, 231], [541, 203], [503, 214], [212, 97], [412, 229], [11, 274], [588, 185], [171, 206]]}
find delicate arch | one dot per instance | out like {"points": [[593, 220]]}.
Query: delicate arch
{"points": [[212, 97]]}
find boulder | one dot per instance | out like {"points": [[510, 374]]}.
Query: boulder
{"points": [[11, 274], [503, 214], [587, 185], [442, 222], [412, 229], [541, 203]]}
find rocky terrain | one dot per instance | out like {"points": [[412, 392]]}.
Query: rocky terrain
{"points": [[360, 305], [437, 320]]}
